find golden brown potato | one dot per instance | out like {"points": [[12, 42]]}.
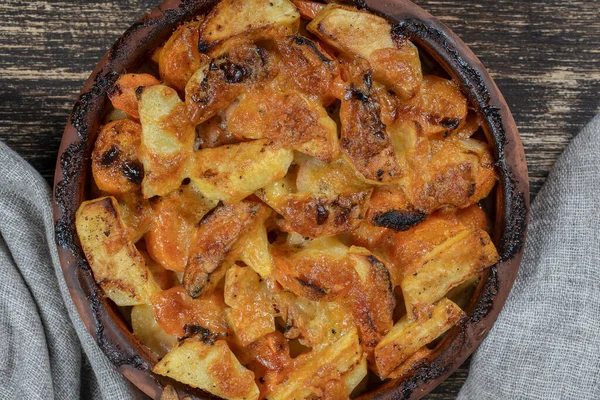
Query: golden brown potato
{"points": [[175, 218], [164, 278], [118, 266], [329, 179], [251, 18], [167, 140], [364, 139], [213, 240], [214, 133], [179, 57], [251, 313], [359, 33], [439, 106], [289, 120], [211, 367], [459, 174], [445, 267], [252, 248], [116, 165], [333, 362], [407, 337], [124, 93], [181, 316], [219, 81], [231, 173], [148, 331], [307, 67], [136, 213]]}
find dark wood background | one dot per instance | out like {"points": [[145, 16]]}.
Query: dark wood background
{"points": [[544, 56]]}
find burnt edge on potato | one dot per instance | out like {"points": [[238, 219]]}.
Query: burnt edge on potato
{"points": [[69, 185]]}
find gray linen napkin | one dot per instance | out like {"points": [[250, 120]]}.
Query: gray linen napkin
{"points": [[45, 350], [545, 345], [546, 342]]}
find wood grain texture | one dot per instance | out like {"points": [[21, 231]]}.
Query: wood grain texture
{"points": [[544, 56]]}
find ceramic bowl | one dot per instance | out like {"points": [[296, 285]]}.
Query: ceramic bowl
{"points": [[508, 206]]}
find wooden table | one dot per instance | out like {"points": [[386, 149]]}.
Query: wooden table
{"points": [[544, 56]]}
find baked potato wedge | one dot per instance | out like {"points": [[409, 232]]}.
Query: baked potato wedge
{"points": [[123, 94], [406, 337], [179, 57], [226, 76], [359, 33], [167, 140], [251, 18], [136, 213], [181, 316], [251, 314], [445, 267], [389, 207], [289, 119], [233, 172], [334, 362], [175, 219], [116, 165], [213, 240], [147, 330], [210, 367], [118, 267]]}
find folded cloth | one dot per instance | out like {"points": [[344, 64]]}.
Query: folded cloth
{"points": [[546, 341], [46, 352]]}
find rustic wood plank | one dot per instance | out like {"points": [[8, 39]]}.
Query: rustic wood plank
{"points": [[544, 56]]}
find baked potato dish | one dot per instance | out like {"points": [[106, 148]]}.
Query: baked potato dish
{"points": [[288, 207]]}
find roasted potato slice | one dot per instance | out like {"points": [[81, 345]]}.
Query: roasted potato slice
{"points": [[233, 172], [334, 362], [136, 213], [289, 120], [214, 133], [124, 93], [167, 140], [149, 332], [179, 57], [359, 33], [251, 314], [412, 364], [406, 337], [116, 165], [247, 17], [181, 316], [330, 179], [118, 267], [219, 81], [445, 267], [307, 67], [364, 139], [175, 219], [372, 298], [252, 248], [210, 367], [213, 240], [459, 174], [319, 271], [439, 106]]}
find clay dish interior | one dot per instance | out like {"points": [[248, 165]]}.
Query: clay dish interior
{"points": [[508, 204]]}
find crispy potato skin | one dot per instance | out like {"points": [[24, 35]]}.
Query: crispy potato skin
{"points": [[116, 165], [123, 95], [213, 239]]}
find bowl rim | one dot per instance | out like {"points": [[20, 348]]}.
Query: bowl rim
{"points": [[410, 21]]}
